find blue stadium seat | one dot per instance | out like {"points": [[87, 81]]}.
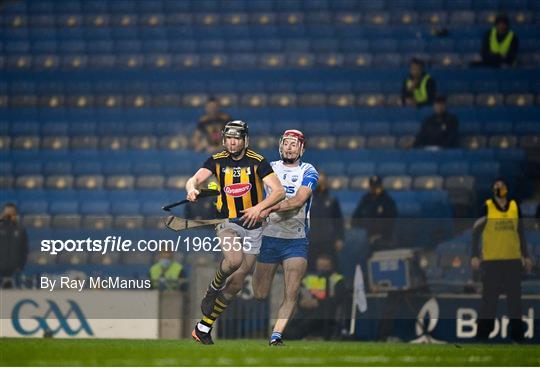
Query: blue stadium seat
{"points": [[63, 207], [423, 168], [384, 46], [57, 168], [471, 127], [147, 168], [33, 207], [55, 128], [405, 127], [125, 208], [429, 5], [361, 168], [498, 127], [94, 207], [332, 168], [6, 168], [117, 167], [27, 168], [87, 168], [485, 169], [376, 128], [346, 128], [391, 169], [317, 128], [527, 127], [454, 168], [25, 128]]}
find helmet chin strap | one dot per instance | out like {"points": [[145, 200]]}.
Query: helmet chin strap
{"points": [[290, 160], [238, 153]]}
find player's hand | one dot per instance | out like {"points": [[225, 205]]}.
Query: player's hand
{"points": [[264, 214], [250, 216], [528, 264], [192, 195], [475, 263]]}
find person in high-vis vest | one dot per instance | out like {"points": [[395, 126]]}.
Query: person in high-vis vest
{"points": [[321, 303], [419, 88], [501, 259], [166, 273], [500, 44]]}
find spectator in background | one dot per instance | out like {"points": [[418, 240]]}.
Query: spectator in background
{"points": [[326, 230], [500, 44], [503, 257], [166, 273], [320, 307], [440, 129], [376, 213], [207, 135], [13, 245], [419, 89]]}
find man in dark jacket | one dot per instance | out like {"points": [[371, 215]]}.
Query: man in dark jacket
{"points": [[376, 213], [500, 44], [440, 129], [13, 245], [326, 231]]}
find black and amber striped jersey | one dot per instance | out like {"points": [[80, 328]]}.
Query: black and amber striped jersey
{"points": [[240, 181]]}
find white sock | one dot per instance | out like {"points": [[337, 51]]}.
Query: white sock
{"points": [[203, 328]]}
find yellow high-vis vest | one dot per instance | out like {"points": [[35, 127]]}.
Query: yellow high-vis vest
{"points": [[500, 239], [316, 285], [171, 274], [500, 48], [420, 93]]}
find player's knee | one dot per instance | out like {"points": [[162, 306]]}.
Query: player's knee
{"points": [[260, 294]]}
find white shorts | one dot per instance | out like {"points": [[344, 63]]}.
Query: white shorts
{"points": [[251, 238]]}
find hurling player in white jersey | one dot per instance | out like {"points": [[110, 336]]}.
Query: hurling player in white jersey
{"points": [[284, 238]]}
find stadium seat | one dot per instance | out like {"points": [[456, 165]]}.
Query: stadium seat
{"points": [[400, 182], [423, 168], [428, 182], [391, 168]]}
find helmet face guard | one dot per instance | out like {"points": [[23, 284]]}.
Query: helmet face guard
{"points": [[298, 137], [235, 129]]}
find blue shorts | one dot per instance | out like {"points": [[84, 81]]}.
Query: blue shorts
{"points": [[276, 250]]}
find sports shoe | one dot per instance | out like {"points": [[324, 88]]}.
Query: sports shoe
{"points": [[207, 303], [204, 338], [276, 342]]}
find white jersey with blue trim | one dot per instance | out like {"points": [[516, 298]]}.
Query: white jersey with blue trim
{"points": [[292, 224]]}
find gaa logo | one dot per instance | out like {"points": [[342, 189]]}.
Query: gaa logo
{"points": [[238, 189], [53, 313]]}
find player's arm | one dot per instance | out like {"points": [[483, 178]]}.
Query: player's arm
{"points": [[193, 183], [293, 203], [252, 214], [309, 183]]}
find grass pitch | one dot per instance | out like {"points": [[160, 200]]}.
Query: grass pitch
{"points": [[102, 352]]}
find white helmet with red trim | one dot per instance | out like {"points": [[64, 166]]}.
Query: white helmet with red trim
{"points": [[296, 136]]}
